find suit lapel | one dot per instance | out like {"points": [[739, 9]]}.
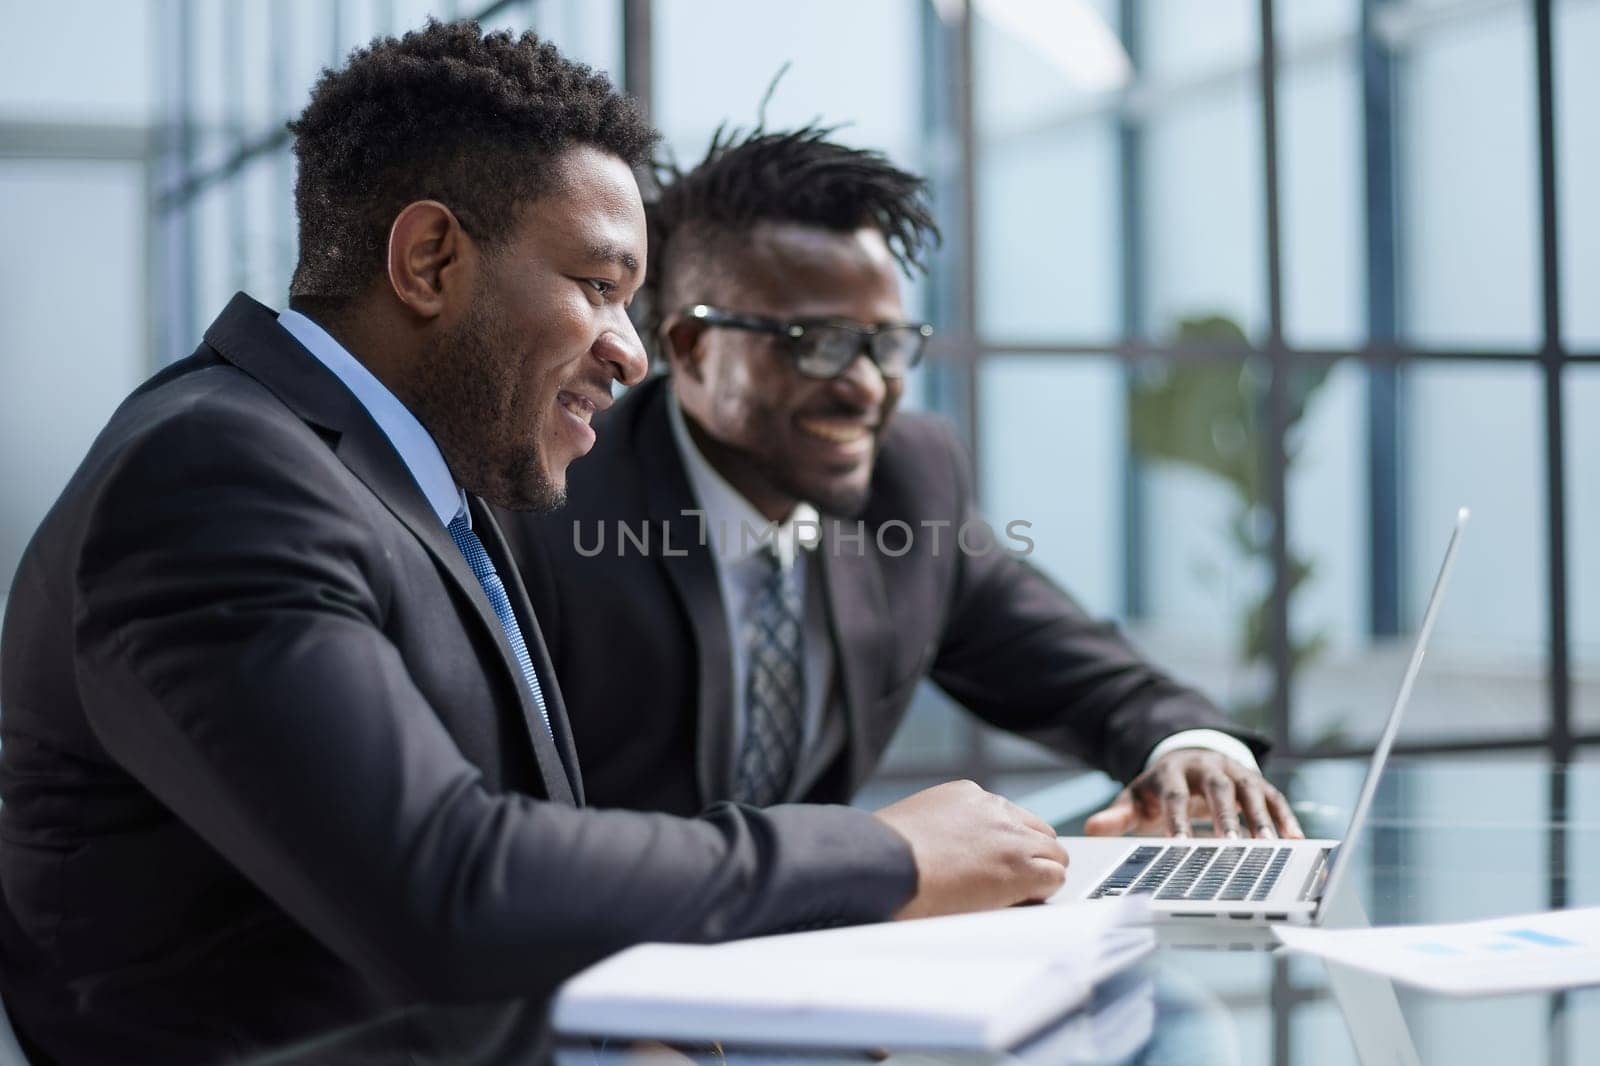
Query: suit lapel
{"points": [[247, 334], [558, 756], [370, 456], [857, 621], [693, 577]]}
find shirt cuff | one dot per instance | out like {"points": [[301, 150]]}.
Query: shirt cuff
{"points": [[1209, 739]]}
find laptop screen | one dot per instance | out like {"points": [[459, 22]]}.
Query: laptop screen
{"points": [[1341, 861]]}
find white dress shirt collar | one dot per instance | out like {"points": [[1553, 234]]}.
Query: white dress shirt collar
{"points": [[410, 439], [726, 513]]}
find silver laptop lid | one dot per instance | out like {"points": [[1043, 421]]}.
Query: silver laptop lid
{"points": [[1380, 755]]}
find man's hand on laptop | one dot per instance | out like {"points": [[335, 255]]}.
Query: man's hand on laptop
{"points": [[974, 850], [1193, 783]]}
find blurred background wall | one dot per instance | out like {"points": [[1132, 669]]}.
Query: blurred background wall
{"points": [[1239, 299]]}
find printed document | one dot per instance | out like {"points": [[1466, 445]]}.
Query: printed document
{"points": [[1531, 953]]}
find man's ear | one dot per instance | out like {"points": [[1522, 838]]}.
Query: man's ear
{"points": [[681, 343], [430, 256]]}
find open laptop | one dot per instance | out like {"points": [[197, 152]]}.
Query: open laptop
{"points": [[1245, 881]]}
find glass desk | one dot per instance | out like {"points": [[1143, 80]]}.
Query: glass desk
{"points": [[1452, 839]]}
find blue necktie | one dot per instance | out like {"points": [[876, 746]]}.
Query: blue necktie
{"points": [[471, 547]]}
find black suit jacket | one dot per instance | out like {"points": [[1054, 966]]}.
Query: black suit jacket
{"points": [[268, 765], [991, 630]]}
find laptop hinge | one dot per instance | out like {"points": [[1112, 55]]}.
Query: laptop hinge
{"points": [[1319, 875]]}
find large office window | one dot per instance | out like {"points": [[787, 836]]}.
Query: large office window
{"points": [[1252, 322]]}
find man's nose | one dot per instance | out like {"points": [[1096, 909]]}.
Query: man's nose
{"points": [[621, 350], [862, 382]]}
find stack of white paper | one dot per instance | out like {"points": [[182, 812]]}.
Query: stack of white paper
{"points": [[974, 981], [1530, 953]]}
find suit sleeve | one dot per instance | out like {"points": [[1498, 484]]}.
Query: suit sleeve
{"points": [[231, 656], [1024, 656]]}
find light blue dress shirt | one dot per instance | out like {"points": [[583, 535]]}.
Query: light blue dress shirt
{"points": [[414, 443]]}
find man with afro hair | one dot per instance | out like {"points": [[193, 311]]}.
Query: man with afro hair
{"points": [[283, 749]]}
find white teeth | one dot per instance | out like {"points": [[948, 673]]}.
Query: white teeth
{"points": [[834, 432]]}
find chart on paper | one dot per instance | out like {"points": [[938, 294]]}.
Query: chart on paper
{"points": [[1497, 943], [1536, 952]]}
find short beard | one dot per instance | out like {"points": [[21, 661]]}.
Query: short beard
{"points": [[837, 503], [843, 504], [466, 390]]}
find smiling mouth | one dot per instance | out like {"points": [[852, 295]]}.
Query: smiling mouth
{"points": [[581, 408], [836, 430]]}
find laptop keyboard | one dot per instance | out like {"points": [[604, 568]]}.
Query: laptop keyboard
{"points": [[1233, 872]]}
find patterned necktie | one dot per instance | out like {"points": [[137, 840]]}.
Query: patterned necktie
{"points": [[471, 547], [774, 688]]}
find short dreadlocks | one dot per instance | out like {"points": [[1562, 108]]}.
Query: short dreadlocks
{"points": [[798, 176], [448, 113]]}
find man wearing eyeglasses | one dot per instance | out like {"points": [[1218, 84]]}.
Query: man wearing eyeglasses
{"points": [[786, 558]]}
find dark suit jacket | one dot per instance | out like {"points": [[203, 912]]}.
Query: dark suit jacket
{"points": [[268, 766], [992, 631]]}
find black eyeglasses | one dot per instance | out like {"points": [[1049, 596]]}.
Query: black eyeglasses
{"points": [[825, 348]]}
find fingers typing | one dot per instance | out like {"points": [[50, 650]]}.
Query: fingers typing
{"points": [[1220, 794]]}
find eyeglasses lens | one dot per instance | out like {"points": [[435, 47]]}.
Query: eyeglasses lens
{"points": [[826, 351]]}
